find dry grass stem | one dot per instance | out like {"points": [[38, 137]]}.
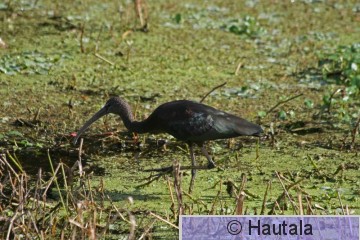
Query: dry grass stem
{"points": [[300, 204], [240, 203], [177, 187], [282, 102], [164, 220], [238, 68], [212, 90], [263, 206], [104, 59], [287, 193]]}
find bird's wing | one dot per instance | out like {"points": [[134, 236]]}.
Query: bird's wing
{"points": [[191, 127], [191, 121], [185, 120], [209, 124]]}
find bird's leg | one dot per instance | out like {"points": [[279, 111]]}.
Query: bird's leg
{"points": [[193, 171], [211, 163]]}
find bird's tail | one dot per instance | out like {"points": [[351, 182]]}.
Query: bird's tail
{"points": [[233, 126], [246, 128]]}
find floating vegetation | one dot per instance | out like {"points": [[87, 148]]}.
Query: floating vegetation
{"points": [[247, 26], [342, 66], [32, 62], [212, 17]]}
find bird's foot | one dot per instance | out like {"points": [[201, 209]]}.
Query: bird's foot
{"points": [[191, 187], [211, 165]]}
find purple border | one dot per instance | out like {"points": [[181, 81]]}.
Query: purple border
{"points": [[279, 227]]}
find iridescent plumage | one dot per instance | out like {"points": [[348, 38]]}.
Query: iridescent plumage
{"points": [[188, 121]]}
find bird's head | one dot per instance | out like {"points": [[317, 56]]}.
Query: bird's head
{"points": [[114, 105]]}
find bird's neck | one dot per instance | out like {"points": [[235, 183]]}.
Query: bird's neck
{"points": [[139, 127], [124, 111]]}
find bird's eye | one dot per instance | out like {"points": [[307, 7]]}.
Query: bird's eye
{"points": [[107, 107]]}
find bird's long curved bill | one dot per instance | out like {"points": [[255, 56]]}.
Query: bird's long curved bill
{"points": [[102, 112]]}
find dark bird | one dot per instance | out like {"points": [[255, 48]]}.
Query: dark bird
{"points": [[188, 121]]}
